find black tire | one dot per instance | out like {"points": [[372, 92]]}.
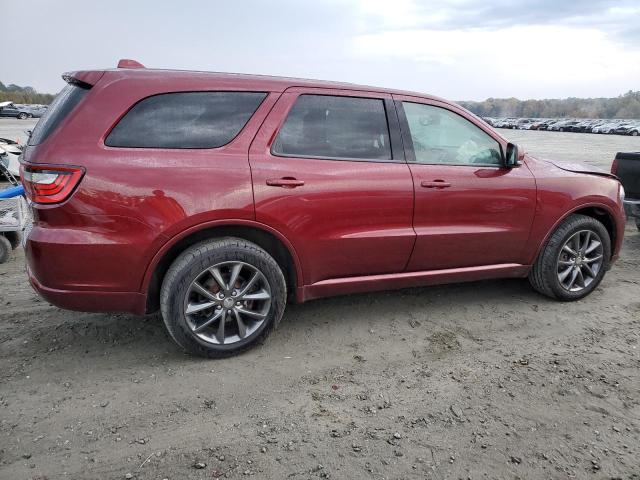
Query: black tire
{"points": [[22, 116], [14, 239], [5, 249], [544, 277], [190, 264], [638, 223], [634, 133]]}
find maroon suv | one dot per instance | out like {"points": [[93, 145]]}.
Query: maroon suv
{"points": [[217, 198]]}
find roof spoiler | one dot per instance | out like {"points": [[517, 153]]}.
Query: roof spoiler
{"points": [[128, 63], [88, 78], [84, 78]]}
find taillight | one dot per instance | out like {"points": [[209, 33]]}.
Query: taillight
{"points": [[50, 184], [614, 166]]}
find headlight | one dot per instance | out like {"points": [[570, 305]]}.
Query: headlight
{"points": [[621, 193]]}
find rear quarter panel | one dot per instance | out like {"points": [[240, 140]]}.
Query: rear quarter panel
{"points": [[133, 201]]}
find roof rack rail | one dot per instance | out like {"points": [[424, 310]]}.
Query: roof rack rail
{"points": [[128, 63]]}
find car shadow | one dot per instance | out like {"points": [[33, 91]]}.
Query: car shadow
{"points": [[142, 340]]}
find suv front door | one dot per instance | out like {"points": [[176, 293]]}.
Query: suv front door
{"points": [[329, 173], [470, 210]]}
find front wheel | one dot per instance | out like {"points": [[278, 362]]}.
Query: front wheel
{"points": [[221, 297], [22, 116], [574, 259]]}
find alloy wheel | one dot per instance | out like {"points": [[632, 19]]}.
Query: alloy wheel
{"points": [[580, 260], [227, 303]]}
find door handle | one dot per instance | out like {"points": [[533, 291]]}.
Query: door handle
{"points": [[435, 184], [285, 182]]}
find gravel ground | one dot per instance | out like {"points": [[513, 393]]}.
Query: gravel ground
{"points": [[479, 380]]}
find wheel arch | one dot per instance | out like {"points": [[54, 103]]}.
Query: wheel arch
{"points": [[272, 241], [598, 211]]}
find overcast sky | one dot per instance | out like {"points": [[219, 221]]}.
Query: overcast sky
{"points": [[461, 49]]}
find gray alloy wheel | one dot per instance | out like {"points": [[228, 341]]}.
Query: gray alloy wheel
{"points": [[222, 296], [573, 261], [580, 260], [227, 302], [22, 116]]}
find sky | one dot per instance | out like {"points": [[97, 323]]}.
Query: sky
{"points": [[460, 49]]}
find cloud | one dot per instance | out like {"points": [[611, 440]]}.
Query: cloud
{"points": [[460, 49], [618, 18]]}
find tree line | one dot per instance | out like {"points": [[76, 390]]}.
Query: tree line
{"points": [[16, 94], [623, 106]]}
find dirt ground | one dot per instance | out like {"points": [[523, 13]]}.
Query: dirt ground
{"points": [[478, 380]]}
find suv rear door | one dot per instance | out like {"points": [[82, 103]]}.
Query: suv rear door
{"points": [[469, 209], [329, 173]]}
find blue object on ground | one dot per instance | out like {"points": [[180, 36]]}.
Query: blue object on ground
{"points": [[12, 192]]}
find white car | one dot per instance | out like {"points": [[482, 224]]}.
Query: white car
{"points": [[13, 152], [604, 128]]}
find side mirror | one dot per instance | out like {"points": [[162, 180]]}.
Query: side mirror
{"points": [[512, 156]]}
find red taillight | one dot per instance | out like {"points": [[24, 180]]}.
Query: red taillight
{"points": [[614, 166], [50, 184]]}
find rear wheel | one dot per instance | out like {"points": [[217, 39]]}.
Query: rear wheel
{"points": [[14, 239], [574, 260], [222, 297], [5, 248]]}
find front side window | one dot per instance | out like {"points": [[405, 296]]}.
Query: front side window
{"points": [[185, 120], [334, 127], [441, 136]]}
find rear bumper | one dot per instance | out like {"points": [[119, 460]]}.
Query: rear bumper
{"points": [[90, 301]]}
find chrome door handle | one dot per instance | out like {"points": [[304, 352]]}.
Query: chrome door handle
{"points": [[435, 184], [285, 182]]}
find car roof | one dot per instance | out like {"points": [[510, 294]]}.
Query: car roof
{"points": [[262, 82]]}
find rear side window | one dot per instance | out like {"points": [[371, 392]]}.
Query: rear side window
{"points": [[185, 120], [333, 127], [63, 104]]}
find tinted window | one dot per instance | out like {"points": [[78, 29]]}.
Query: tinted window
{"points": [[441, 136], [335, 127], [62, 105], [185, 120]]}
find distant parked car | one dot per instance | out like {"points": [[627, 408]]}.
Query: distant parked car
{"points": [[523, 124], [626, 129], [34, 111], [606, 127], [564, 126], [9, 109], [634, 130], [546, 124]]}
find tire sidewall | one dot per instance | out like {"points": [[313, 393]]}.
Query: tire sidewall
{"points": [[5, 248], [585, 223], [173, 310]]}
